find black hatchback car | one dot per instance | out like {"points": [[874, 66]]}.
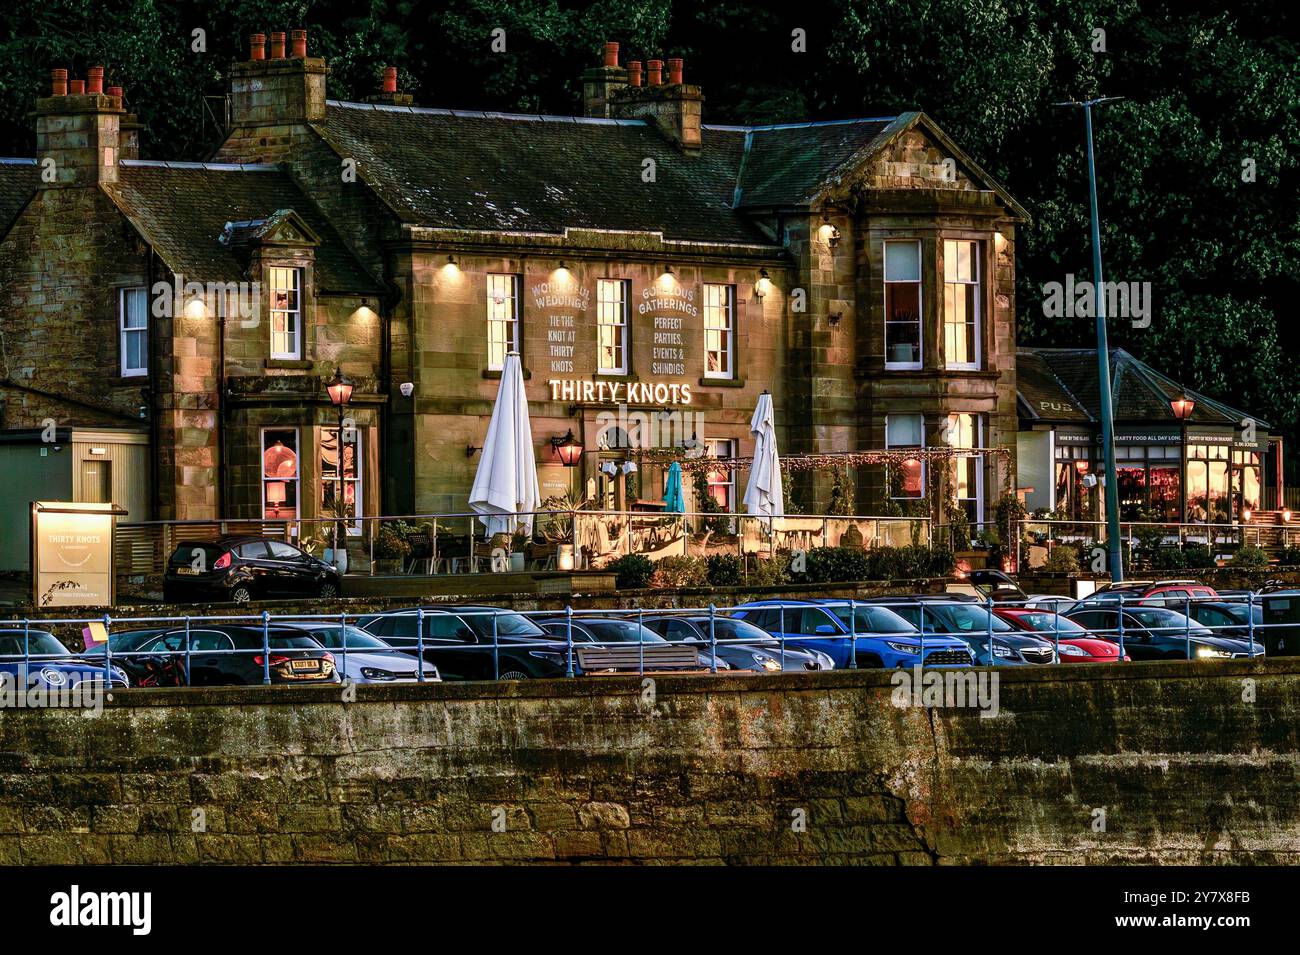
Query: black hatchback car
{"points": [[473, 643], [241, 569], [231, 655]]}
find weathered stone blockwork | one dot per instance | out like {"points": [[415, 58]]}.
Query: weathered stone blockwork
{"points": [[713, 772]]}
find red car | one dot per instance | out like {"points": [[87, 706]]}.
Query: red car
{"points": [[1077, 644]]}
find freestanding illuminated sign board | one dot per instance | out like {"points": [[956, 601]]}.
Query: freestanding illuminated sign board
{"points": [[72, 554]]}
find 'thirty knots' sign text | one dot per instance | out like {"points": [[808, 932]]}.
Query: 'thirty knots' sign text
{"points": [[620, 392]]}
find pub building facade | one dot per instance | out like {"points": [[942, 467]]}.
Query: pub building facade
{"points": [[1180, 456], [656, 274]]}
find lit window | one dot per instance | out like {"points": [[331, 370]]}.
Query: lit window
{"points": [[286, 313], [906, 431], [133, 331], [719, 331], [280, 473], [961, 304], [503, 318], [903, 304], [722, 482], [327, 440], [611, 319], [967, 431]]}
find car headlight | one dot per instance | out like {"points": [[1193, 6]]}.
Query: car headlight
{"points": [[1070, 650], [374, 673], [768, 663], [904, 647], [1212, 652], [1000, 651]]}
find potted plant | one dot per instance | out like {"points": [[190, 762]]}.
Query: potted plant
{"points": [[518, 557]]}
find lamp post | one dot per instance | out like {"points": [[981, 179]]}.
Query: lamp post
{"points": [[340, 392], [1182, 407], [1114, 545]]}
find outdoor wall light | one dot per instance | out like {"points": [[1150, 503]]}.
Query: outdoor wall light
{"points": [[1182, 406], [471, 449], [568, 449], [833, 319], [339, 388], [830, 235], [1246, 515], [666, 279], [407, 388], [1286, 516], [763, 285]]}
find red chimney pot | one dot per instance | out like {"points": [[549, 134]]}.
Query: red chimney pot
{"points": [[656, 77], [299, 38], [58, 82], [76, 87], [390, 79], [277, 45], [95, 80], [257, 46], [611, 54], [115, 91], [634, 72], [675, 70]]}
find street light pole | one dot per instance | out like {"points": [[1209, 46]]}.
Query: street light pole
{"points": [[1114, 545], [340, 392]]}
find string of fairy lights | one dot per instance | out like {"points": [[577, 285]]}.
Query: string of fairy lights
{"points": [[830, 461]]}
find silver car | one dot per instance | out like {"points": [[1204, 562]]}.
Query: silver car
{"points": [[366, 658]]}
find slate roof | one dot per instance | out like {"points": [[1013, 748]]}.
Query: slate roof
{"points": [[504, 172], [784, 165], [182, 210], [1138, 391], [18, 182]]}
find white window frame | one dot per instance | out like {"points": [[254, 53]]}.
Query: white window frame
{"points": [[920, 301], [292, 317], [612, 319], [504, 312], [976, 280], [358, 478], [726, 310], [920, 447], [296, 480], [977, 441], [124, 332]]}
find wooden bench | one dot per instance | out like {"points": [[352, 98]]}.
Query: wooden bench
{"points": [[648, 658]]}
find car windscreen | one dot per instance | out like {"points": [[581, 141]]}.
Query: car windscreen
{"points": [[1047, 623], [40, 643], [964, 618], [329, 638], [873, 620], [622, 631], [1154, 618], [726, 628], [507, 624]]}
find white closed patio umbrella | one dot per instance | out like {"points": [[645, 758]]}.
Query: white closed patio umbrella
{"points": [[505, 485], [764, 496]]}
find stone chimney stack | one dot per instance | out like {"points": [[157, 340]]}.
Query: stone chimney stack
{"points": [[600, 83], [388, 94], [78, 132], [675, 108], [285, 89]]}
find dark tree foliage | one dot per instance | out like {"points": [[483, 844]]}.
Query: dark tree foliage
{"points": [[1206, 86]]}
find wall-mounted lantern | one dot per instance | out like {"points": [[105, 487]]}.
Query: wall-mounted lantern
{"points": [[568, 449]]}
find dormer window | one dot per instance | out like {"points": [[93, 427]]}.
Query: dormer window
{"points": [[286, 313]]}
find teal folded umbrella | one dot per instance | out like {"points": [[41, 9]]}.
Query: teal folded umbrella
{"points": [[674, 501]]}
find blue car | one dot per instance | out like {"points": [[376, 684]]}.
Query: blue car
{"points": [[49, 663], [881, 638]]}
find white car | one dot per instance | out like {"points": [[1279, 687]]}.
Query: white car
{"points": [[366, 658]]}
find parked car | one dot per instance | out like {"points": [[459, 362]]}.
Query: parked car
{"points": [[125, 644], [880, 637], [603, 631], [1158, 633], [1076, 645], [753, 649], [232, 655], [241, 569], [364, 658], [1149, 593], [459, 642], [49, 664], [970, 622], [1228, 618]]}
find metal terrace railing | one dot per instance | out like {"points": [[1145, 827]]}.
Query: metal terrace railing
{"points": [[559, 540], [1147, 538], [493, 643]]}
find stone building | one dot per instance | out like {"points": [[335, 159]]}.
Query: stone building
{"points": [[650, 268]]}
